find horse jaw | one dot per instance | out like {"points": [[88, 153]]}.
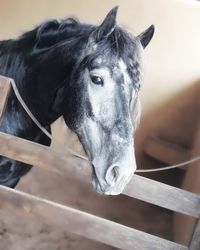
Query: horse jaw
{"points": [[125, 167], [112, 158]]}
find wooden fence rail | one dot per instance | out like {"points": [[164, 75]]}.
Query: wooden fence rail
{"points": [[81, 223], [139, 187], [97, 228]]}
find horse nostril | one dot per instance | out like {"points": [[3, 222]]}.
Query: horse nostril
{"points": [[112, 174]]}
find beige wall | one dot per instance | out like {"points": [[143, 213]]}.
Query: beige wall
{"points": [[171, 61]]}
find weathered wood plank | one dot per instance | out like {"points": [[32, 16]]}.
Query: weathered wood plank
{"points": [[139, 187], [195, 242], [4, 93], [95, 228], [164, 195], [42, 156]]}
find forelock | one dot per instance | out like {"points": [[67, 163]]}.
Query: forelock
{"points": [[119, 45]]}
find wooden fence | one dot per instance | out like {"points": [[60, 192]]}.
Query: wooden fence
{"points": [[81, 223]]}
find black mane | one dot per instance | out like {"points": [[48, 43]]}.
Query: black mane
{"points": [[54, 32], [44, 36]]}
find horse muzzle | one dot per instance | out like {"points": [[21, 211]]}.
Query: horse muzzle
{"points": [[114, 178]]}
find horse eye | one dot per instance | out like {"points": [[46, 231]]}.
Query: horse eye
{"points": [[97, 80]]}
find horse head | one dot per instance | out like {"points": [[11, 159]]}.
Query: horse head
{"points": [[98, 100]]}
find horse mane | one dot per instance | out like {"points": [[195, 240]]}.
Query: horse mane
{"points": [[119, 44], [46, 35], [51, 32]]}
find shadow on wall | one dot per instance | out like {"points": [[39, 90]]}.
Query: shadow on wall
{"points": [[175, 121]]}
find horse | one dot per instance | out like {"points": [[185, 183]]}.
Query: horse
{"points": [[86, 73]]}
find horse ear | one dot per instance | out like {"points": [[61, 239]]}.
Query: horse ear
{"points": [[145, 37], [107, 26]]}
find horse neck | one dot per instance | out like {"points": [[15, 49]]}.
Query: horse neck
{"points": [[39, 78], [54, 71], [11, 65]]}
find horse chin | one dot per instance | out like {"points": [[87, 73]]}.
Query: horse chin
{"points": [[113, 161], [116, 190], [103, 189]]}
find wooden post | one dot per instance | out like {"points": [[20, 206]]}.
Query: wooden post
{"points": [[195, 242], [4, 93]]}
